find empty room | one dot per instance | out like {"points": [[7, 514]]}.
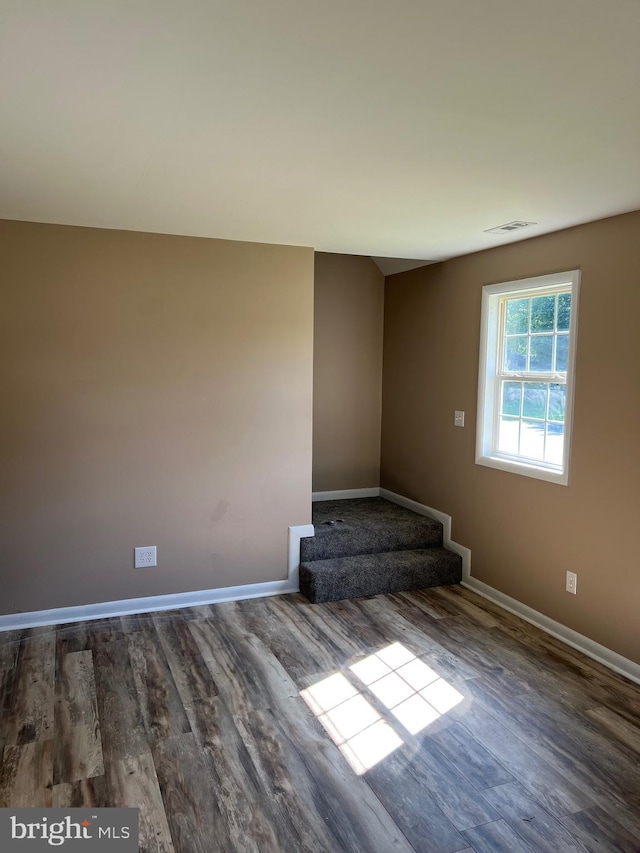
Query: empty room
{"points": [[319, 467]]}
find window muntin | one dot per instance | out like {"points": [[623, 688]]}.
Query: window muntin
{"points": [[526, 375], [534, 338]]}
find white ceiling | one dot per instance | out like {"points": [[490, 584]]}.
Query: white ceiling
{"points": [[401, 129]]}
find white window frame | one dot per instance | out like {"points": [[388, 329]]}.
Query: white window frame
{"points": [[491, 375]]}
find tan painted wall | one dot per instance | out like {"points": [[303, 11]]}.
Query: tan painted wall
{"points": [[347, 377], [156, 390], [523, 533]]}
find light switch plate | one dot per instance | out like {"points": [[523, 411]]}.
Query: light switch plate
{"points": [[458, 419]]}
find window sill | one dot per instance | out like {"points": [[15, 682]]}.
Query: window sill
{"points": [[525, 470]]}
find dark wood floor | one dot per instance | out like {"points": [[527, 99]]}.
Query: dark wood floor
{"points": [[430, 721]]}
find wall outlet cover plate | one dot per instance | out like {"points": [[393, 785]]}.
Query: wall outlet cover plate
{"points": [[145, 556]]}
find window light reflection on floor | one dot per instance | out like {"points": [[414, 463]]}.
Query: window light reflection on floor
{"points": [[413, 693], [359, 731]]}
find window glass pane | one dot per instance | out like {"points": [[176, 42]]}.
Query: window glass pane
{"points": [[542, 311], [535, 400], [541, 353], [554, 445], [562, 352], [515, 356], [557, 398], [511, 395], [532, 439], [517, 320], [564, 311], [509, 435], [525, 346]]}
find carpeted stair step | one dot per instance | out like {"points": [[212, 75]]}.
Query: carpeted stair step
{"points": [[374, 574], [344, 528]]}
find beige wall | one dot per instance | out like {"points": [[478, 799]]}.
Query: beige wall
{"points": [[156, 390], [525, 534], [347, 377]]}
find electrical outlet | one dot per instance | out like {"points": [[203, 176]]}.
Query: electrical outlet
{"points": [[572, 582], [458, 419], [146, 556]]}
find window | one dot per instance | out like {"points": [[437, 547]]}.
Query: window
{"points": [[525, 394]]}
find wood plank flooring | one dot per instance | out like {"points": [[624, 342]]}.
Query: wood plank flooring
{"points": [[430, 721]]}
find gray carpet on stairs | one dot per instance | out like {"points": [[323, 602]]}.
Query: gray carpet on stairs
{"points": [[374, 574], [367, 526], [369, 546]]}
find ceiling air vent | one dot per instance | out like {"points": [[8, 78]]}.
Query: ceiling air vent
{"points": [[509, 227]]}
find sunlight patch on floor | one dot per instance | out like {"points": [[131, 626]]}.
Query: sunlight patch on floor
{"points": [[413, 692], [353, 724]]}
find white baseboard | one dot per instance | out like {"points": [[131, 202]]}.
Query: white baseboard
{"points": [[345, 494], [610, 659], [443, 518], [150, 604], [302, 531], [105, 610]]}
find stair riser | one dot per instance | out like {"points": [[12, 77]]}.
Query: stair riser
{"points": [[346, 540], [358, 578]]}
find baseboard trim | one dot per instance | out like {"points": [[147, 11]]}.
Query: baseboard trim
{"points": [[607, 657], [301, 531], [345, 494], [612, 660], [443, 518], [106, 610], [149, 604], [174, 601]]}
